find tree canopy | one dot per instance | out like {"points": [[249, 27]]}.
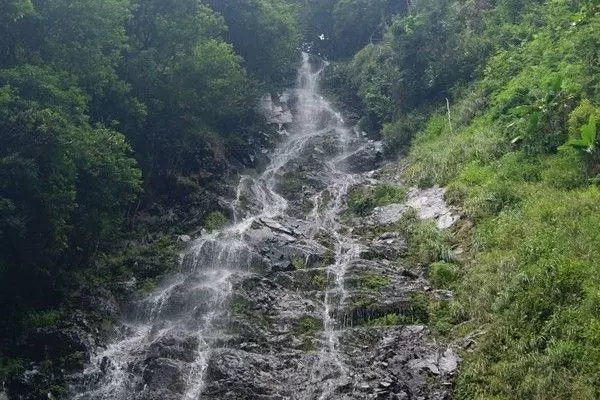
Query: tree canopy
{"points": [[107, 103]]}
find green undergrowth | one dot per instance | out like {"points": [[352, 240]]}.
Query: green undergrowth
{"points": [[531, 282], [527, 288], [426, 244], [367, 309], [214, 221], [145, 263], [362, 200], [374, 281]]}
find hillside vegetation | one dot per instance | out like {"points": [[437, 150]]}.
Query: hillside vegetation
{"points": [[108, 108], [519, 156]]}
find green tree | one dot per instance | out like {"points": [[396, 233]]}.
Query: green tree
{"points": [[265, 33], [64, 184]]}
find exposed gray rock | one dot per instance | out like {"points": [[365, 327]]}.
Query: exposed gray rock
{"points": [[388, 214], [290, 302], [366, 158], [184, 238], [449, 362], [163, 373], [430, 204], [275, 112]]}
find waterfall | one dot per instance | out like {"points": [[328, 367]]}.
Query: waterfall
{"points": [[177, 331]]}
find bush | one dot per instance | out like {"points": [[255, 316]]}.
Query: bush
{"points": [[399, 133]]}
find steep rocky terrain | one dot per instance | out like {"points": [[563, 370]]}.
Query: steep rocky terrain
{"points": [[299, 298]]}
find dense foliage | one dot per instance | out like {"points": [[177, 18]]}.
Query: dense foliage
{"points": [[109, 105], [516, 144]]}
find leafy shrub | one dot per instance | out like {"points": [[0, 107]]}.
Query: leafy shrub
{"points": [[587, 140], [10, 367], [399, 133]]}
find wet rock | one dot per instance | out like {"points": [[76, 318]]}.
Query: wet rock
{"points": [[174, 347], [291, 307], [29, 385], [275, 110], [384, 248], [400, 396], [236, 374], [184, 238], [61, 340], [97, 301], [367, 158], [163, 373], [276, 226]]}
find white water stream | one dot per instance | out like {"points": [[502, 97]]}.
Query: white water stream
{"points": [[192, 307]]}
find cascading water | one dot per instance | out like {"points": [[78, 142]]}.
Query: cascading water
{"points": [[226, 325]]}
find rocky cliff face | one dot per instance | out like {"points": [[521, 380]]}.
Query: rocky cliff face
{"points": [[297, 298]]}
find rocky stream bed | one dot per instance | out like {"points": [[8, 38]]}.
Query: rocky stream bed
{"points": [[292, 300]]}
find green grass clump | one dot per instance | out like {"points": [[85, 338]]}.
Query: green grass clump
{"points": [[385, 193], [374, 281], [319, 280], [291, 183], [308, 325], [298, 262], [425, 242], [144, 262], [214, 221], [442, 274], [438, 155], [362, 200], [391, 319]]}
